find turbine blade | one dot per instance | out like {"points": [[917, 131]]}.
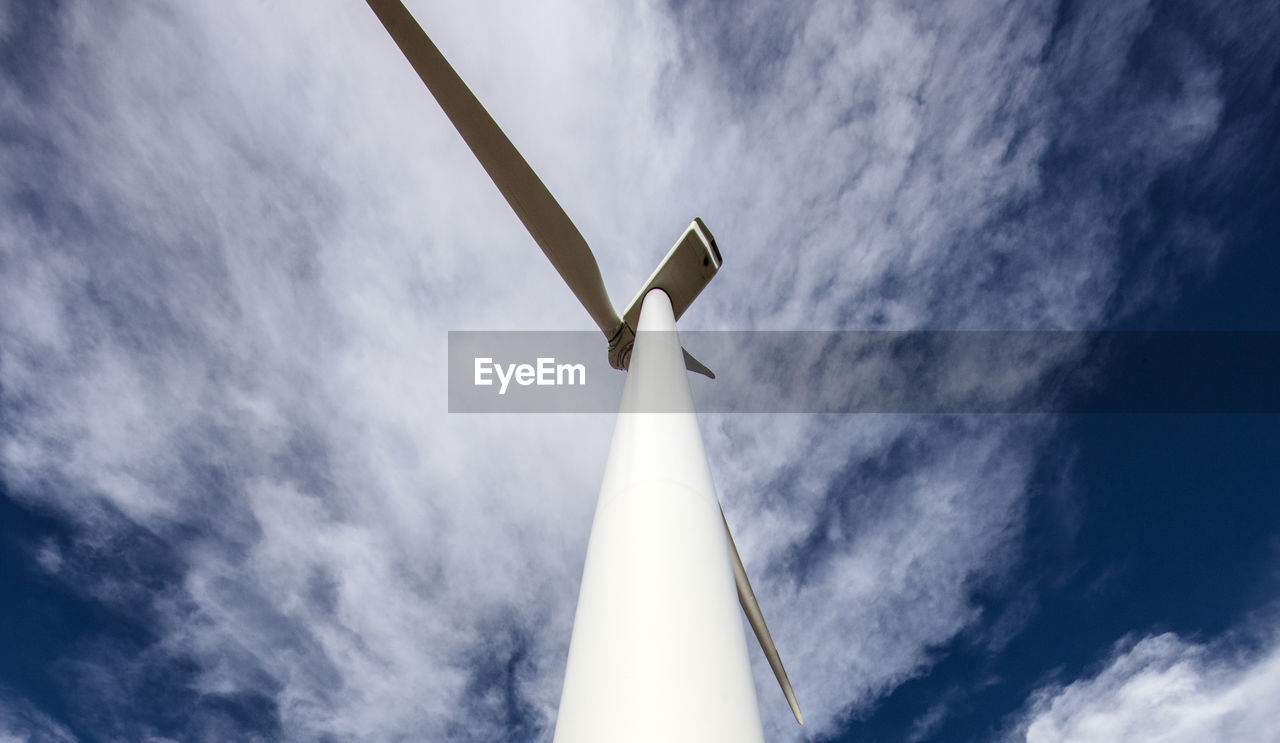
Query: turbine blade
{"points": [[751, 608], [550, 227], [694, 365]]}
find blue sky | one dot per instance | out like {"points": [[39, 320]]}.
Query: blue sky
{"points": [[233, 507]]}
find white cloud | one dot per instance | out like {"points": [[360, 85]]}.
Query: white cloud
{"points": [[235, 235], [20, 722], [1163, 688]]}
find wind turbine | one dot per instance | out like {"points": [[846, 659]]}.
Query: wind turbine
{"points": [[657, 652]]}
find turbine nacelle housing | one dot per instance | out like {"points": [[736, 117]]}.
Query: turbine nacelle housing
{"points": [[688, 267]]}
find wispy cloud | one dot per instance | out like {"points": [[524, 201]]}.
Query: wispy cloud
{"points": [[1166, 688], [22, 723], [233, 239]]}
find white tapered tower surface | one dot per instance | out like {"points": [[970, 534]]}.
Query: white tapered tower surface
{"points": [[658, 652]]}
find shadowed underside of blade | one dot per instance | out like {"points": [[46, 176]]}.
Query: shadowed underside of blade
{"points": [[751, 607], [537, 209]]}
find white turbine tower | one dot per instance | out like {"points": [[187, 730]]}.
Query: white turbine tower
{"points": [[658, 652]]}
